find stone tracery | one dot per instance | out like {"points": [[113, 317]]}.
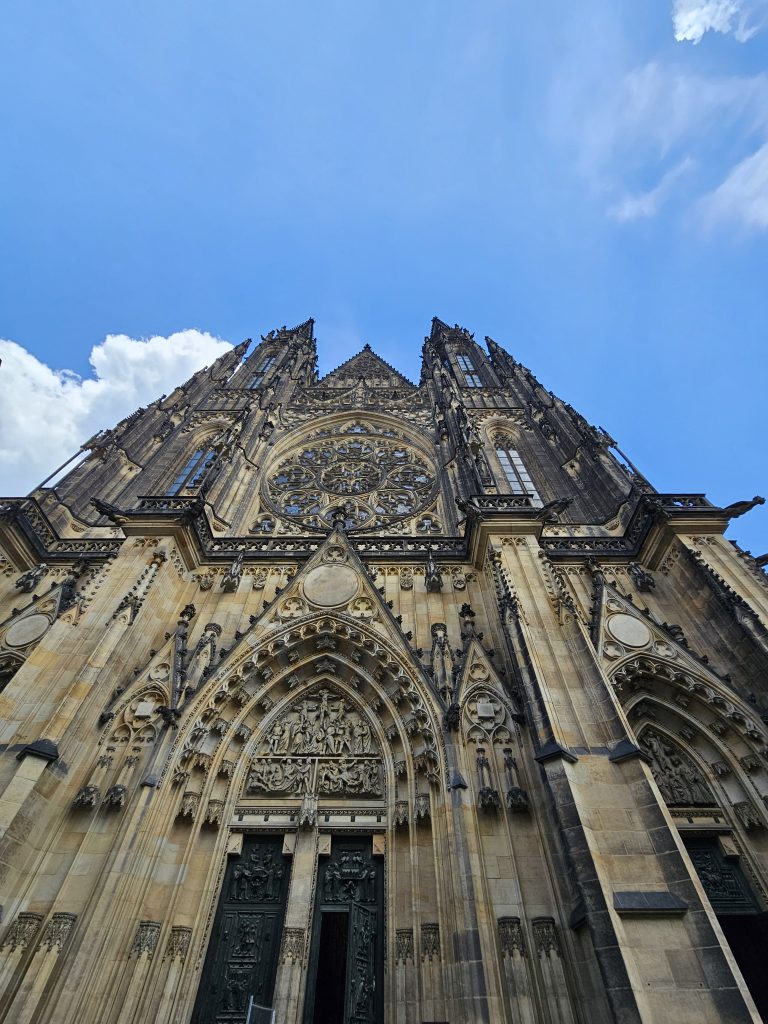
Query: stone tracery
{"points": [[372, 472]]}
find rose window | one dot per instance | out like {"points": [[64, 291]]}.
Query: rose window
{"points": [[373, 476]]}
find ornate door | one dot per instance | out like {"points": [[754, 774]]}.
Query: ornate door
{"points": [[361, 966], [242, 956], [346, 962]]}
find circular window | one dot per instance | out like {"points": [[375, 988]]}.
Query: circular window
{"points": [[375, 476]]}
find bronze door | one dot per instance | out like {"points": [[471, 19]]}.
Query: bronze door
{"points": [[243, 953], [346, 962]]}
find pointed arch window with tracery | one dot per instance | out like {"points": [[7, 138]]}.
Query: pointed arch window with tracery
{"points": [[193, 472], [516, 476]]}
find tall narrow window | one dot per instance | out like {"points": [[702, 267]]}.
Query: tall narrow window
{"points": [[193, 472], [258, 377], [515, 473], [471, 378]]}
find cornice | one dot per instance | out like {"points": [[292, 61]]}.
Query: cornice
{"points": [[28, 535]]}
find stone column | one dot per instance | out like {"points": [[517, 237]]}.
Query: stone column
{"points": [[291, 980]]}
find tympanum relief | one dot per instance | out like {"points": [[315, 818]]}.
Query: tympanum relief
{"points": [[320, 746]]}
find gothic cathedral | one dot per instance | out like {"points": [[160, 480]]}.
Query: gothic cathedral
{"points": [[373, 702]]}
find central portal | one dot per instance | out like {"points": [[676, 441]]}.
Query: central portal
{"points": [[346, 961]]}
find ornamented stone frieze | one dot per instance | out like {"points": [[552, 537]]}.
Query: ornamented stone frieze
{"points": [[145, 940], [292, 950], [322, 725], [430, 942], [57, 931], [322, 776], [22, 931], [545, 936], [178, 943], [680, 782], [511, 938], [404, 945]]}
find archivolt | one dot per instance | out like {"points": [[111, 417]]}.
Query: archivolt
{"points": [[223, 725]]}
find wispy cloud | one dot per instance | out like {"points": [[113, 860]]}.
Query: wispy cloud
{"points": [[647, 204], [46, 414], [743, 195], [692, 19]]}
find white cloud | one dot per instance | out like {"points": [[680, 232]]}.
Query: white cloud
{"points": [[47, 414], [647, 204], [691, 19], [743, 195]]}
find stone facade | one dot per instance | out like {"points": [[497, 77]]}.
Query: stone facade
{"points": [[435, 659]]}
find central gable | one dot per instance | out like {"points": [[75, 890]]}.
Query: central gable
{"points": [[369, 367]]}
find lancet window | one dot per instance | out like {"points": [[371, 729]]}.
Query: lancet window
{"points": [[194, 471], [266, 364], [467, 367], [516, 475]]}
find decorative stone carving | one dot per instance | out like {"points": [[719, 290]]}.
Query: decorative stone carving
{"points": [[114, 798], [324, 776], [30, 579], [430, 942], [178, 943], [679, 781], [292, 950], [349, 876], [404, 945], [231, 578], [511, 938], [747, 815], [401, 813], [22, 931], [145, 940], [259, 580], [487, 797], [188, 806], [322, 724], [422, 810], [214, 812], [517, 798], [57, 931], [258, 878], [87, 797], [406, 579], [545, 936], [721, 768], [643, 580], [433, 580]]}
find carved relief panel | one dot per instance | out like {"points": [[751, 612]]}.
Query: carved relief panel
{"points": [[321, 745]]}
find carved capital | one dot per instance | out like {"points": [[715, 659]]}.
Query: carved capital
{"points": [[145, 940], [545, 936], [404, 945], [57, 931], [292, 950], [22, 931], [511, 936]]}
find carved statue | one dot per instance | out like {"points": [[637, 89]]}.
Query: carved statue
{"points": [[678, 780]]}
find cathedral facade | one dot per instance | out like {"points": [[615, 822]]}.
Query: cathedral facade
{"points": [[374, 702]]}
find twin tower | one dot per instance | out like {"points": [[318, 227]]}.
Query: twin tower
{"points": [[375, 702]]}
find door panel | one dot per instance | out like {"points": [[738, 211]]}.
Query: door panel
{"points": [[361, 966], [243, 952]]}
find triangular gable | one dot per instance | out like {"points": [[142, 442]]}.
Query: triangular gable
{"points": [[366, 365], [621, 632]]}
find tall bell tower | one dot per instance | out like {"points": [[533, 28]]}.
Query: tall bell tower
{"points": [[370, 700]]}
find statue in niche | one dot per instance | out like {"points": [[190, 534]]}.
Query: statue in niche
{"points": [[679, 781]]}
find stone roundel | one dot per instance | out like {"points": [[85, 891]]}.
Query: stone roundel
{"points": [[629, 631], [27, 630], [330, 585]]}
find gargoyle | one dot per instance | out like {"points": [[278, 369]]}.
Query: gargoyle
{"points": [[740, 508], [551, 512]]}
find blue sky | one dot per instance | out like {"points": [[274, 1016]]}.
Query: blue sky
{"points": [[586, 183]]}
